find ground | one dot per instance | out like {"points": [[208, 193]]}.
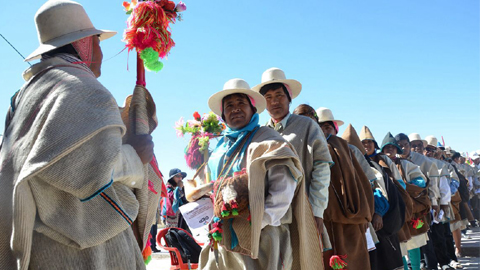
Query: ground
{"points": [[470, 261]]}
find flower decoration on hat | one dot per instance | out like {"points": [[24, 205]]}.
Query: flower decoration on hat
{"points": [[148, 29], [202, 129]]}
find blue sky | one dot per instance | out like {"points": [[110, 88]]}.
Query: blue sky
{"points": [[398, 66]]}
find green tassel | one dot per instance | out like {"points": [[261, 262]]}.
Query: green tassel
{"points": [[217, 236], [148, 260], [150, 60], [235, 212], [225, 213]]}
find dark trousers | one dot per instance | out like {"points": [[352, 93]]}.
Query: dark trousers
{"points": [[449, 242], [428, 252], [153, 240], [439, 240]]}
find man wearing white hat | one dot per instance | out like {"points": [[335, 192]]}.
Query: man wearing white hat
{"points": [[274, 192], [303, 133], [66, 196]]}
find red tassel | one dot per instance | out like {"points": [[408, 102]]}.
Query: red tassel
{"points": [[233, 204], [337, 262]]}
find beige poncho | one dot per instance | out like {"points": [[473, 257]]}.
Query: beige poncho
{"points": [[267, 150], [66, 179]]}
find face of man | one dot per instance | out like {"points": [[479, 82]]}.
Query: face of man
{"points": [[237, 111], [430, 151], [97, 57], [278, 104], [369, 146], [416, 146], [462, 160], [405, 145], [476, 161], [178, 177], [328, 129], [390, 151]]}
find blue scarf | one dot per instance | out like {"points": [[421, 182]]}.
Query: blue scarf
{"points": [[226, 146]]}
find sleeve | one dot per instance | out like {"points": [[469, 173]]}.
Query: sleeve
{"points": [[396, 174], [381, 203], [415, 175], [79, 193], [445, 192], [318, 190], [281, 189], [129, 169], [470, 183], [322, 161], [433, 187], [363, 163], [176, 200], [453, 174]]}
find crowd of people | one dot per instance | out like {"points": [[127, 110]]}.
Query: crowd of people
{"points": [[79, 190], [401, 203]]}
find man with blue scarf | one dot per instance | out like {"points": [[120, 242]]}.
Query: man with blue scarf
{"points": [[278, 232]]}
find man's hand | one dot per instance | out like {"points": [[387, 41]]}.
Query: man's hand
{"points": [[143, 144], [319, 222], [377, 222]]}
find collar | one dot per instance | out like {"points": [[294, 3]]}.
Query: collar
{"points": [[280, 125], [49, 63]]}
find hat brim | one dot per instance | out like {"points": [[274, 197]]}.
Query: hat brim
{"points": [[423, 141], [399, 150], [215, 101], [67, 39], [182, 173], [374, 143], [294, 85]]}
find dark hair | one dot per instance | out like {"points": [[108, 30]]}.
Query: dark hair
{"points": [[306, 110], [455, 155], [64, 49], [172, 182], [330, 123], [240, 95], [275, 86], [401, 136]]}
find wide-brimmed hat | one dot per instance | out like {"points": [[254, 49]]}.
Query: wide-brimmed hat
{"points": [[416, 137], [61, 22], [325, 115], [350, 135], [174, 172], [236, 86], [390, 140], [366, 134], [431, 141], [276, 75]]}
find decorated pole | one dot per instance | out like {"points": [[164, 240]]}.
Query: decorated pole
{"points": [[148, 34]]}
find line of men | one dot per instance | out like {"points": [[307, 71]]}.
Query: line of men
{"points": [[398, 204]]}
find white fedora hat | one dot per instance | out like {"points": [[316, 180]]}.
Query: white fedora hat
{"points": [[61, 22], [236, 86], [276, 75], [431, 141], [325, 115], [416, 137]]}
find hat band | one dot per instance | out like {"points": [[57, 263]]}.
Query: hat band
{"points": [[288, 90]]}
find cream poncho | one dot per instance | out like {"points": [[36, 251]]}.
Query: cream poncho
{"points": [[65, 177]]}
